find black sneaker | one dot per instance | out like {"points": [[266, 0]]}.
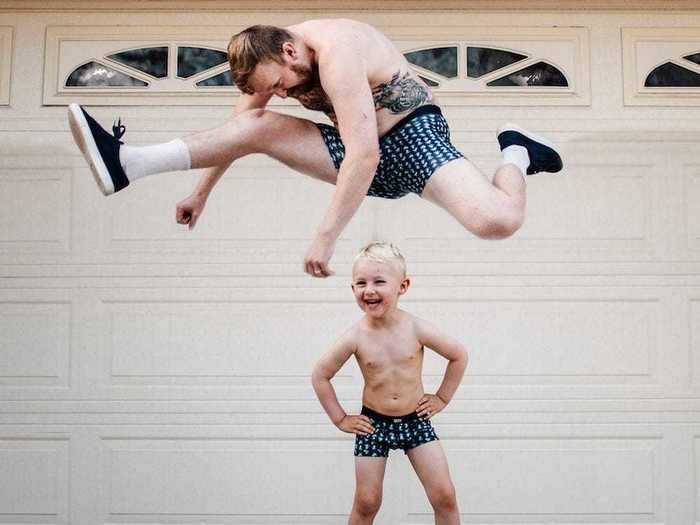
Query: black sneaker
{"points": [[100, 149], [543, 156]]}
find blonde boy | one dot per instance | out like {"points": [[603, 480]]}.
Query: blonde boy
{"points": [[388, 344]]}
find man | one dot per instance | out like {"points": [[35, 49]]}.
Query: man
{"points": [[389, 137]]}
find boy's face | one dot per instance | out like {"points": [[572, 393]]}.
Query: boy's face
{"points": [[377, 285]]}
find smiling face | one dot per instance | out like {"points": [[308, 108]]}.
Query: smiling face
{"points": [[377, 285], [280, 78]]}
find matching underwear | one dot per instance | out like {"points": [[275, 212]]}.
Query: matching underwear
{"points": [[405, 432], [410, 152]]}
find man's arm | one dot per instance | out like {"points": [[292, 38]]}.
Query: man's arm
{"points": [[450, 349], [189, 210], [344, 78]]}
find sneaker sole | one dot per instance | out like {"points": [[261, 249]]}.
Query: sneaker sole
{"points": [[528, 134], [80, 129]]}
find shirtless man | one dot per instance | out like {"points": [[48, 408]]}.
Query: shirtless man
{"points": [[389, 137]]}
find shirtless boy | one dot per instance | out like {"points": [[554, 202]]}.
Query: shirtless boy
{"points": [[388, 344], [389, 137]]}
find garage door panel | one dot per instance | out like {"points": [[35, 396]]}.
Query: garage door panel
{"points": [[691, 208], [537, 340], [596, 480], [250, 217], [194, 338], [40, 494], [36, 208], [154, 480], [596, 211]]}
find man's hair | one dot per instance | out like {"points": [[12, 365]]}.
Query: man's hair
{"points": [[382, 252], [252, 46]]}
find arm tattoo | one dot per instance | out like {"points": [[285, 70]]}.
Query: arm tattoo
{"points": [[400, 94]]}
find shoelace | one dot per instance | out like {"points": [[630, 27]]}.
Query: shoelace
{"points": [[118, 130]]}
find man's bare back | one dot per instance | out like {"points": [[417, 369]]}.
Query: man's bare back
{"points": [[396, 88]]}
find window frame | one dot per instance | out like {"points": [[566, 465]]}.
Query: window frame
{"points": [[6, 52]]}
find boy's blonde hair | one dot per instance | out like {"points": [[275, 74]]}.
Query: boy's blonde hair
{"points": [[382, 252]]}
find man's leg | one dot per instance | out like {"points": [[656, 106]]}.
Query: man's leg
{"points": [[496, 209], [369, 478], [430, 464], [293, 141], [490, 210]]}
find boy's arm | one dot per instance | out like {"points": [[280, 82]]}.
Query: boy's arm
{"points": [[321, 377], [450, 349], [190, 209]]}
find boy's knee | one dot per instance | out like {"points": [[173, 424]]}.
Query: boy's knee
{"points": [[443, 498], [367, 503]]}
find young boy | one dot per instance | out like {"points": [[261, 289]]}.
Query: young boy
{"points": [[388, 345]]}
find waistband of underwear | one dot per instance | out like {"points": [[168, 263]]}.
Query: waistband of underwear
{"points": [[428, 109], [389, 419]]}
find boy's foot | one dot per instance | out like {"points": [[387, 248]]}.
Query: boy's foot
{"points": [[543, 156], [100, 149]]}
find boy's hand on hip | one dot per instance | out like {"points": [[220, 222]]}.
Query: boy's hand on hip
{"points": [[356, 425], [317, 257], [429, 405]]}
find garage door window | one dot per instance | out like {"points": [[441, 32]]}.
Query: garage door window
{"points": [[435, 65], [143, 67], [672, 74]]}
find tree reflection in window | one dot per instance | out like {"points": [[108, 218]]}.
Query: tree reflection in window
{"points": [[484, 60], [695, 57], [672, 75], [429, 81], [222, 79], [193, 60], [440, 60], [94, 74], [539, 74], [150, 60]]}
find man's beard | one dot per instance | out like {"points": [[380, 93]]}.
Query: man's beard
{"points": [[308, 79]]}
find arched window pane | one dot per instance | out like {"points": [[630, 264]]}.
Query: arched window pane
{"points": [[440, 60], [193, 60], [694, 58], [429, 81], [484, 60], [151, 60], [540, 74], [94, 74], [222, 79], [671, 75]]}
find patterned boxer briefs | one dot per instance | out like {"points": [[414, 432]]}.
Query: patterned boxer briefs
{"points": [[409, 153], [405, 432]]}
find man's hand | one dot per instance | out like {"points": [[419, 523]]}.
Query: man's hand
{"points": [[317, 257], [189, 210], [429, 405], [356, 425]]}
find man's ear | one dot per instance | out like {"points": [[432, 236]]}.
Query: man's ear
{"points": [[289, 50]]}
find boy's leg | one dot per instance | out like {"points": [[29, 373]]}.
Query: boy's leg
{"points": [[369, 478], [293, 141], [430, 464]]}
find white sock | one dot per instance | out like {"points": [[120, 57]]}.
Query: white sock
{"points": [[516, 155], [139, 161]]}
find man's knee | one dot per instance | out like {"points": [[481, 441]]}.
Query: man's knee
{"points": [[498, 226], [367, 502]]}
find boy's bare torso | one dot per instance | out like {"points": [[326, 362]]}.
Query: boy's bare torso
{"points": [[396, 89], [391, 361]]}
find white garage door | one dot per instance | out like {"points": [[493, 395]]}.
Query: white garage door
{"points": [[153, 375]]}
